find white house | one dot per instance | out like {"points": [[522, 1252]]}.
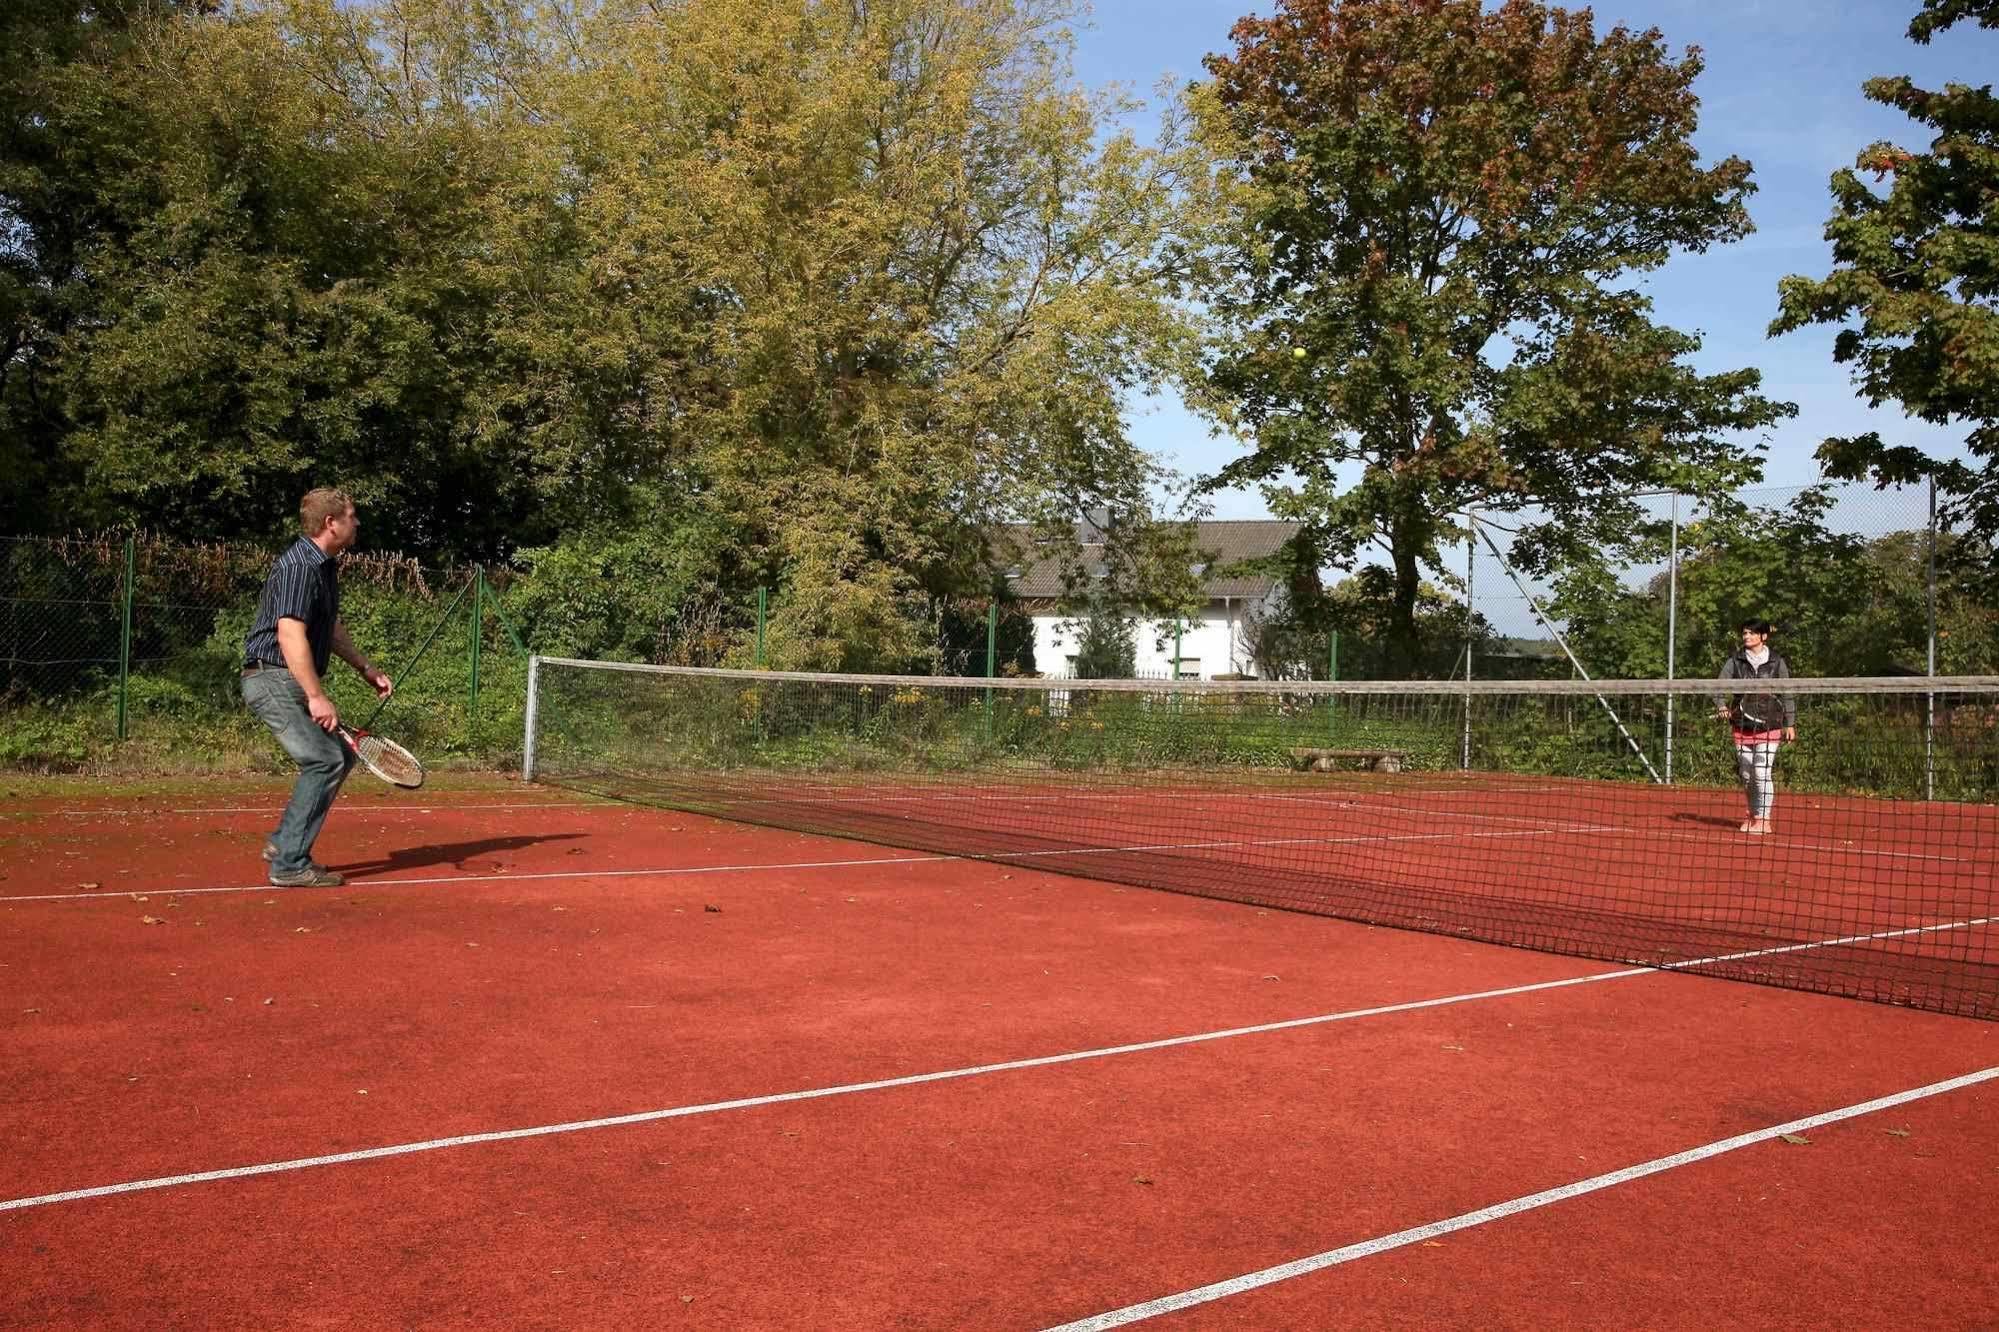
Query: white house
{"points": [[1212, 643]]}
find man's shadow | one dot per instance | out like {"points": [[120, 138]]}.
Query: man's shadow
{"points": [[449, 853], [1713, 821]]}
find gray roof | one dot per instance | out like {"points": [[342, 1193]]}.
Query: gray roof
{"points": [[1222, 544]]}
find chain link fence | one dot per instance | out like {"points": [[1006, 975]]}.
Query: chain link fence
{"points": [[139, 640]]}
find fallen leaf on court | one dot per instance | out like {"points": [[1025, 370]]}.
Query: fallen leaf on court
{"points": [[92, 884], [361, 1092], [152, 920], [1458, 1048], [1273, 976], [269, 1002], [1141, 1179], [1896, 1133], [303, 929], [574, 851], [1433, 1244], [1797, 1140], [712, 907]]}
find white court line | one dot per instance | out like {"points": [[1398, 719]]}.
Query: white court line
{"points": [[1318, 1262], [848, 1089], [780, 1098], [1000, 857], [670, 871], [346, 807]]}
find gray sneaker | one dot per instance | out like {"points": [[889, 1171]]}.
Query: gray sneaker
{"points": [[312, 876], [271, 854]]}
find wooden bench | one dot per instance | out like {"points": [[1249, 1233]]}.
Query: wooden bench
{"points": [[1374, 760]]}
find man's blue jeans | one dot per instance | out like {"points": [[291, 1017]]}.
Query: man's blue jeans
{"points": [[323, 763]]}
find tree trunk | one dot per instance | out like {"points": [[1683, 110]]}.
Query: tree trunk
{"points": [[1403, 648]]}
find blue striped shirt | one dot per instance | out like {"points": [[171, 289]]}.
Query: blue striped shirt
{"points": [[304, 585]]}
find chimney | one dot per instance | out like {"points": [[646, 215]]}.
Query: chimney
{"points": [[1095, 525]]}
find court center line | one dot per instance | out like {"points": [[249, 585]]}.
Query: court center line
{"points": [[849, 1089], [1319, 1262]]}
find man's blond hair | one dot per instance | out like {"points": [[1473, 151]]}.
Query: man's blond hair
{"points": [[319, 505]]}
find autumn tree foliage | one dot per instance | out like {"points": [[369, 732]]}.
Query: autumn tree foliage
{"points": [[1914, 287], [1430, 299]]}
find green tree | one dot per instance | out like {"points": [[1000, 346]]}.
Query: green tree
{"points": [[1106, 644], [1915, 286], [1428, 304], [65, 143], [1843, 604]]}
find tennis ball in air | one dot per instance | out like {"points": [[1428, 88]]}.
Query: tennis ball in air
{"points": [[1297, 353]]}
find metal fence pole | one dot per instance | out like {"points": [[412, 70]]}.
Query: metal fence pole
{"points": [[533, 706], [1930, 700], [762, 610], [478, 632], [1471, 569], [992, 660], [125, 640], [1672, 630]]}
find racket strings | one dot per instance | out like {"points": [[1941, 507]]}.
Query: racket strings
{"points": [[391, 760]]}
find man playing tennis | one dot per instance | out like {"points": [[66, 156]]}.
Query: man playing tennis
{"points": [[296, 632]]}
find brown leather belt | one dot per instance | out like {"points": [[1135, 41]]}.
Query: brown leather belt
{"points": [[251, 668]]}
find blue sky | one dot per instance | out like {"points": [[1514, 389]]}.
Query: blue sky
{"points": [[1781, 89]]}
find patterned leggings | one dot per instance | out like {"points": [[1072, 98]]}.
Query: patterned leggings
{"points": [[1756, 764]]}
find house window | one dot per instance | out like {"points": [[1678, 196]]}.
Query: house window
{"points": [[1190, 668]]}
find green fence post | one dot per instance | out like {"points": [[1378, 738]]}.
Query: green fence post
{"points": [[1176, 647], [992, 660], [762, 610], [1332, 674], [125, 641], [478, 633]]}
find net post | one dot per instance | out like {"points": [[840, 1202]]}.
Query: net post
{"points": [[1332, 674], [528, 726], [125, 639], [992, 659], [1471, 568], [1930, 699], [1672, 629]]}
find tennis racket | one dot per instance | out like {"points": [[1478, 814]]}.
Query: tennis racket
{"points": [[385, 758]]}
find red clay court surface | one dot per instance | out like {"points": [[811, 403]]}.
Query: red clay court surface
{"points": [[549, 1062]]}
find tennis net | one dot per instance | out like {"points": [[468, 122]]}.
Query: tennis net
{"points": [[1597, 819]]}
